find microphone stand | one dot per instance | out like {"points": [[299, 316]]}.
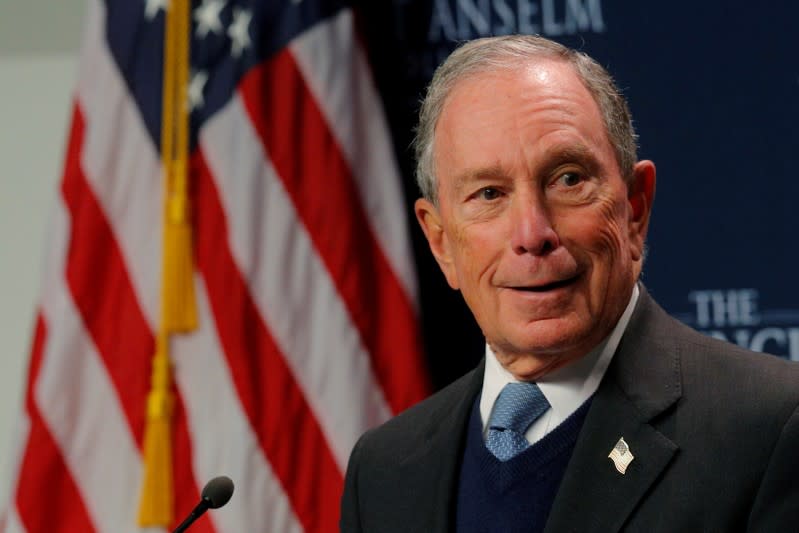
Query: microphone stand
{"points": [[196, 513]]}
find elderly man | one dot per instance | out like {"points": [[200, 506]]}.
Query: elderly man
{"points": [[593, 410]]}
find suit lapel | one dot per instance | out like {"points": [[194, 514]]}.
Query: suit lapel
{"points": [[641, 383], [593, 495], [438, 460]]}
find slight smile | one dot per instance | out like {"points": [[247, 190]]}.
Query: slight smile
{"points": [[545, 287]]}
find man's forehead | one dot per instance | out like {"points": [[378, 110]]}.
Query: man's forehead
{"points": [[501, 90], [535, 74], [486, 98]]}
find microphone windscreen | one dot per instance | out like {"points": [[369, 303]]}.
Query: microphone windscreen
{"points": [[218, 491]]}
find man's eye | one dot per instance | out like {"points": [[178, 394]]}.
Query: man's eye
{"points": [[488, 193], [570, 179]]}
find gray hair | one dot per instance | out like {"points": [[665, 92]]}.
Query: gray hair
{"points": [[506, 53]]}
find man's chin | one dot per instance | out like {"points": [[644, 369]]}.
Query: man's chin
{"points": [[533, 368], [530, 357]]}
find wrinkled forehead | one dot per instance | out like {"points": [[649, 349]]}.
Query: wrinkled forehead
{"points": [[510, 85], [546, 91]]}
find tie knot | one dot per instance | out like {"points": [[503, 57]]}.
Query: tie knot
{"points": [[518, 405]]}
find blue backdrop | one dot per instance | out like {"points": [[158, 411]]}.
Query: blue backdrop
{"points": [[714, 91]]}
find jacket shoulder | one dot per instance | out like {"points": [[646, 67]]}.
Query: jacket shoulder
{"points": [[660, 360], [739, 389], [718, 361]]}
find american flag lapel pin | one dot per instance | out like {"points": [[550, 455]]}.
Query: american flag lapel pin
{"points": [[621, 456]]}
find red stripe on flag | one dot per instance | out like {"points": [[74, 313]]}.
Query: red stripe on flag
{"points": [[102, 291], [187, 492], [44, 480], [274, 404], [99, 284], [316, 175]]}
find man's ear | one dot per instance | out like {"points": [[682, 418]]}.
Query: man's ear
{"points": [[430, 219], [641, 194]]}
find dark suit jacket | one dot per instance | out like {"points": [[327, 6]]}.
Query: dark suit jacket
{"points": [[714, 430]]}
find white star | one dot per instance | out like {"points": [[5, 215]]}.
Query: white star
{"points": [[196, 87], [207, 17], [152, 8], [239, 31]]}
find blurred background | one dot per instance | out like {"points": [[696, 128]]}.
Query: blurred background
{"points": [[714, 92], [39, 44]]}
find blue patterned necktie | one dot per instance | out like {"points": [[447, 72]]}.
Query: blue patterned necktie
{"points": [[516, 408]]}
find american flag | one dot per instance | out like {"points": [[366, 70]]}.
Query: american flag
{"points": [[304, 280]]}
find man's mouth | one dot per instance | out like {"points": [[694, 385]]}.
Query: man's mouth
{"points": [[547, 286]]}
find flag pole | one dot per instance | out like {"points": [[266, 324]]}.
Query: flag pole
{"points": [[178, 307]]}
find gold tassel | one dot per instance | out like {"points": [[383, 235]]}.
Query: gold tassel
{"points": [[178, 306], [155, 505]]}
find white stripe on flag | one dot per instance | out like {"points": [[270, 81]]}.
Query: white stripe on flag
{"points": [[337, 73], [80, 407], [13, 523], [18, 446], [225, 442], [291, 287], [121, 165]]}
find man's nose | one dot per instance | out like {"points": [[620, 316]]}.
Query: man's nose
{"points": [[532, 231]]}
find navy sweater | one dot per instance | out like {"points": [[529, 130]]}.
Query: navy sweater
{"points": [[515, 495]]}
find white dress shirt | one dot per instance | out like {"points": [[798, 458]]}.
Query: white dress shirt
{"points": [[566, 388]]}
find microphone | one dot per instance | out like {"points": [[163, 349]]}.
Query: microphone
{"points": [[216, 493]]}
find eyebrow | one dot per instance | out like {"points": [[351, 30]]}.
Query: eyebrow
{"points": [[552, 159], [576, 153], [469, 177]]}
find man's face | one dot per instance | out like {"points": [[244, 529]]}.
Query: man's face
{"points": [[534, 223]]}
